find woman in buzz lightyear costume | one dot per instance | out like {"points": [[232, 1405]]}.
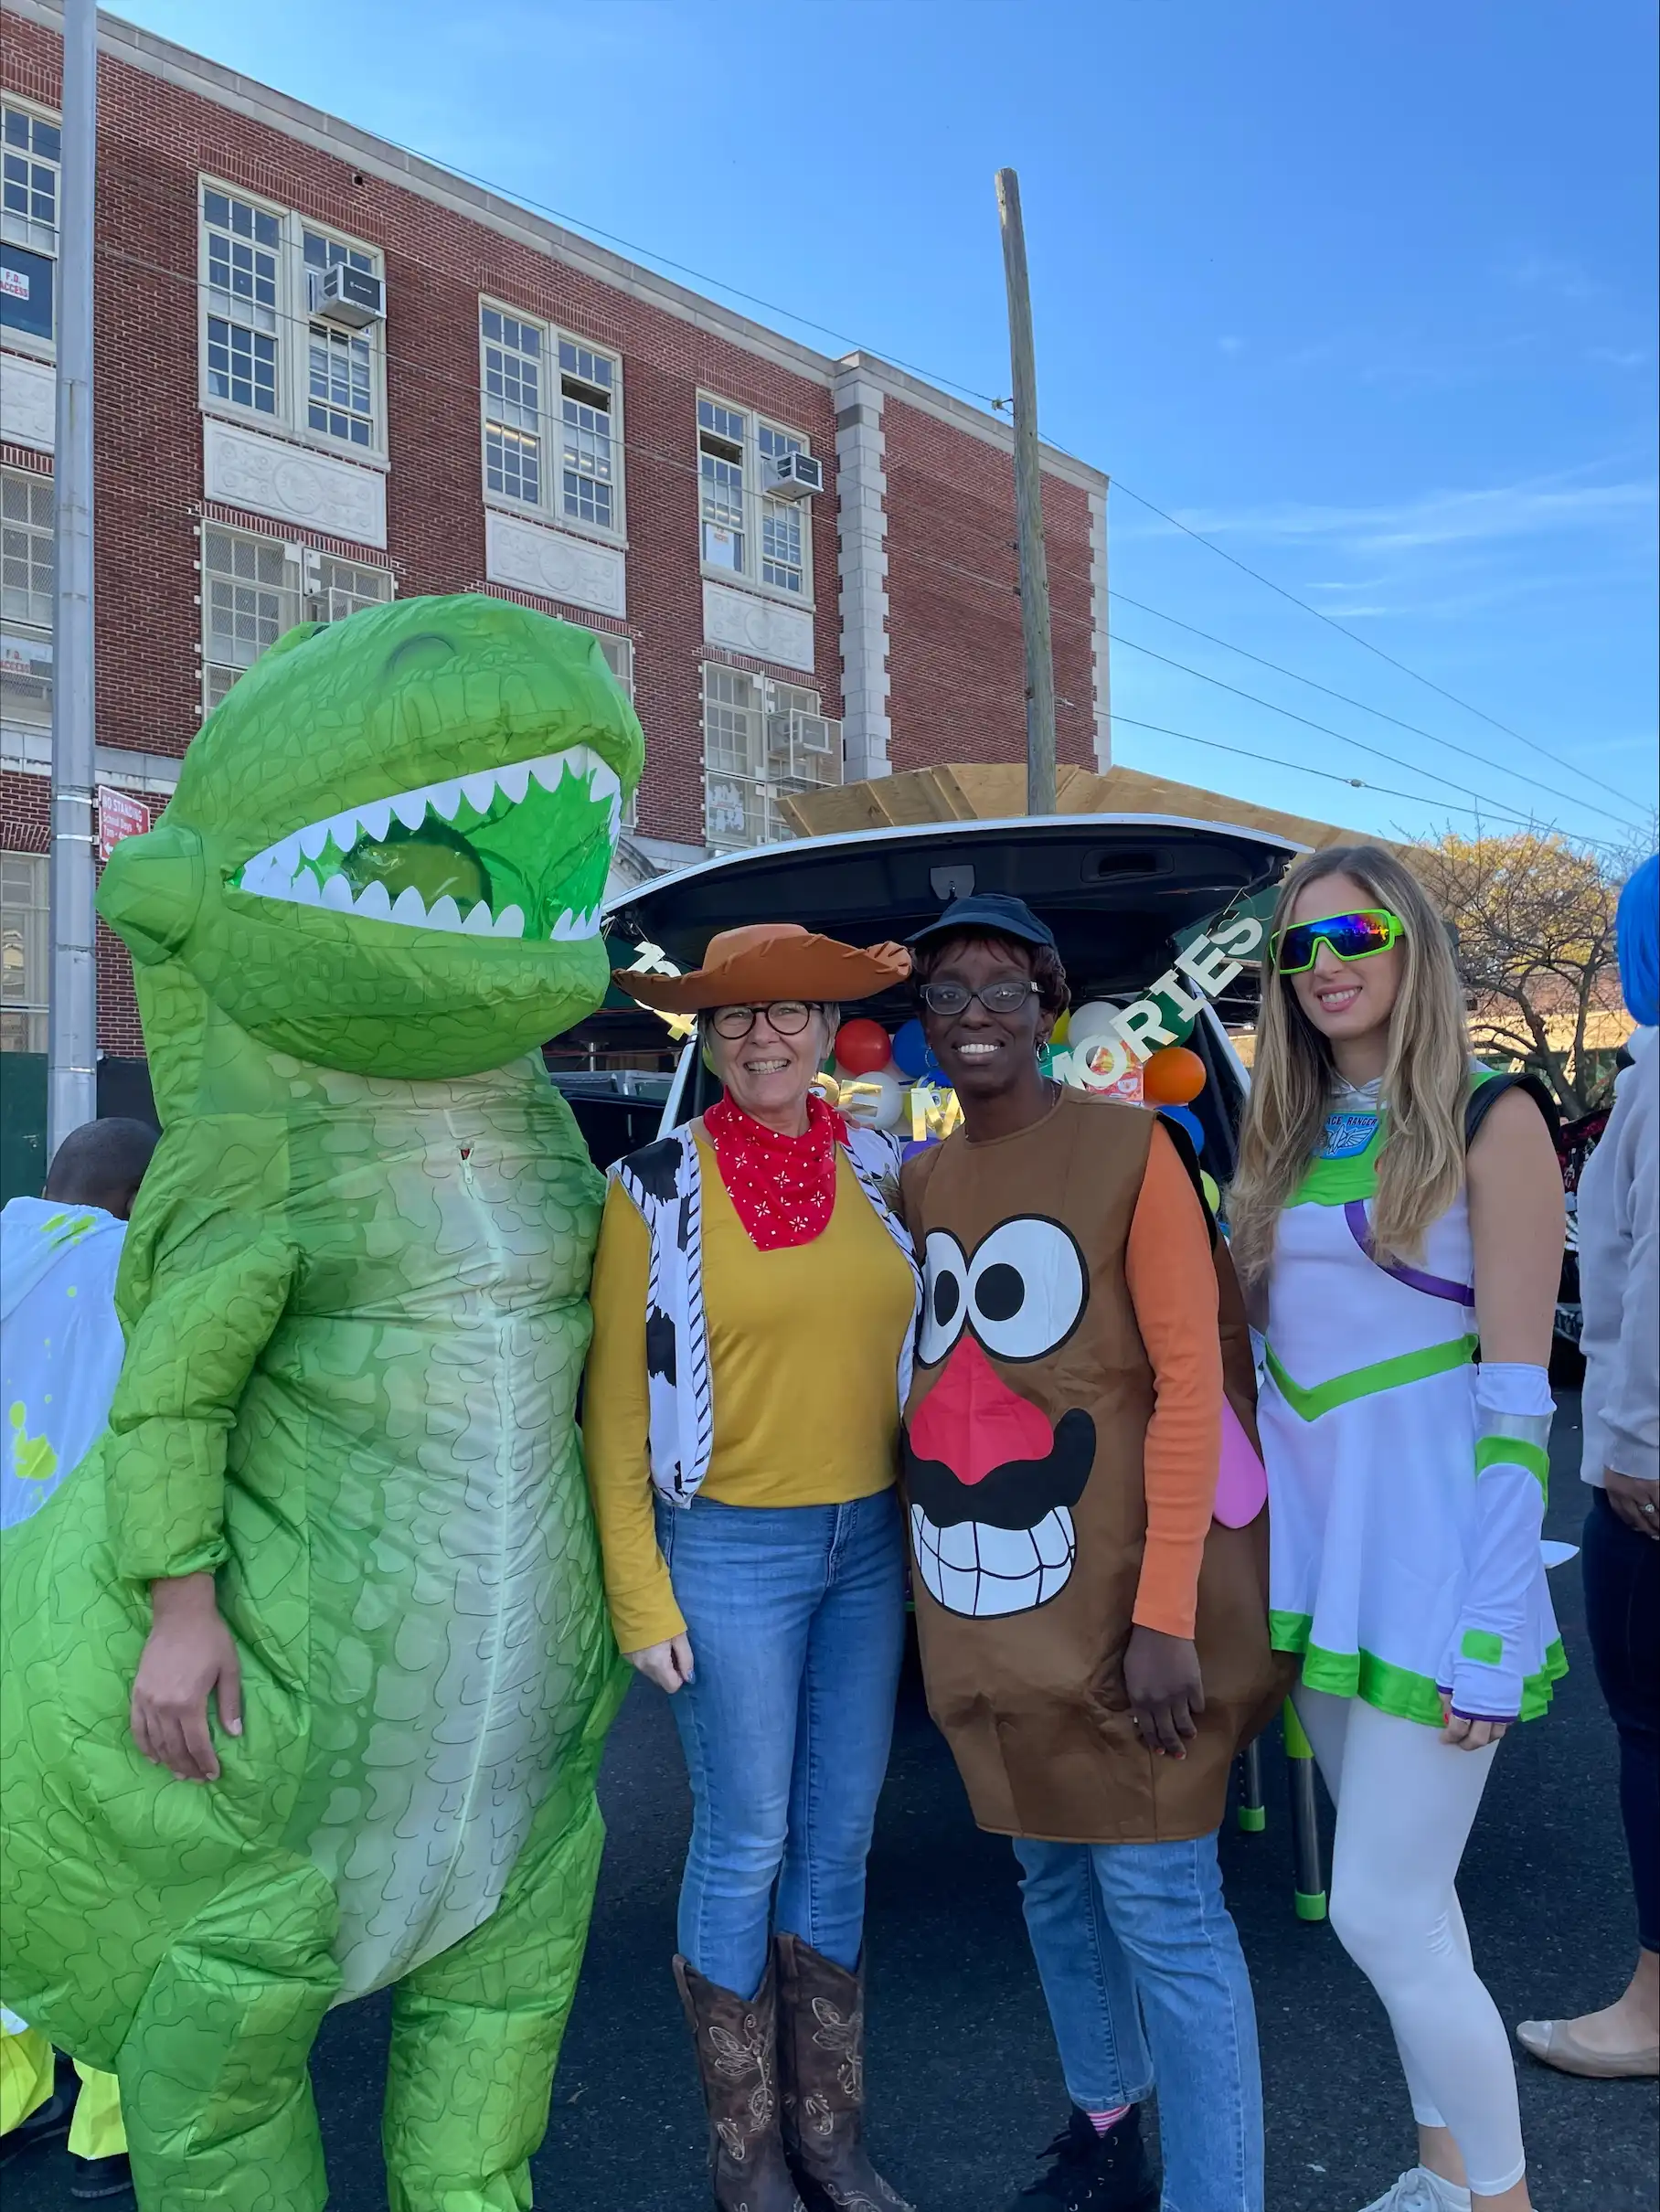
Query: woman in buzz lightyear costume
{"points": [[1396, 1204]]}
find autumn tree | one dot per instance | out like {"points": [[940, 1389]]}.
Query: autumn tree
{"points": [[1534, 919]]}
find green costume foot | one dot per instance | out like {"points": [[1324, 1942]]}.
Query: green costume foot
{"points": [[354, 1297]]}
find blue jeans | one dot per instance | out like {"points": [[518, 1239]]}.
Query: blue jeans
{"points": [[796, 1616], [1146, 1987]]}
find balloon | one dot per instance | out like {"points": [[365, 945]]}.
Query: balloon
{"points": [[875, 1100], [1186, 1119], [913, 1145], [1091, 1021], [1173, 1077], [863, 1045], [911, 1055], [1213, 1197], [1062, 1029]]}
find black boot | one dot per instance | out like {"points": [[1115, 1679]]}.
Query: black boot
{"points": [[736, 2041], [821, 2071], [101, 2180], [48, 2120], [1091, 2172]]}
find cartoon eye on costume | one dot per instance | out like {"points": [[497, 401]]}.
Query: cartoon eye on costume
{"points": [[1025, 1289], [945, 1298]]}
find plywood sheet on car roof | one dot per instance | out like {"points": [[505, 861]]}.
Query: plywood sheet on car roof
{"points": [[992, 790]]}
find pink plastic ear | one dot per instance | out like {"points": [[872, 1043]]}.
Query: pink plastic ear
{"points": [[1241, 1484]]}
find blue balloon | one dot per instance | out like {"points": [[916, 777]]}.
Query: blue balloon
{"points": [[915, 1145], [1184, 1118], [911, 1053]]}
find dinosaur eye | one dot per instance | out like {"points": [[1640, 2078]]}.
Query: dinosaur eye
{"points": [[944, 1296], [1026, 1288]]}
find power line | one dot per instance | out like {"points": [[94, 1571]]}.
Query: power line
{"points": [[1326, 775], [1355, 637], [1414, 728], [1343, 736], [1007, 585]]}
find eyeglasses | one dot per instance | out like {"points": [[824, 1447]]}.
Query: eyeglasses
{"points": [[1350, 937], [785, 1017], [997, 998]]}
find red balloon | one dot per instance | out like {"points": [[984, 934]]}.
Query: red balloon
{"points": [[862, 1047], [1172, 1077]]}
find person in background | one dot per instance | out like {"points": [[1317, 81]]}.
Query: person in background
{"points": [[1393, 1200], [1094, 1636], [753, 1300], [1619, 1289], [60, 1351]]}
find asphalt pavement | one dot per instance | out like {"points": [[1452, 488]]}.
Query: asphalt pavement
{"points": [[964, 2086]]}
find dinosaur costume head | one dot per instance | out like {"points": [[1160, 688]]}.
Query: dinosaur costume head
{"points": [[388, 845]]}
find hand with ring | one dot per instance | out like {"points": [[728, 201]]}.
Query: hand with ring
{"points": [[1636, 1502]]}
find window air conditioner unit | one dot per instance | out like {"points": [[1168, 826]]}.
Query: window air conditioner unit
{"points": [[795, 476], [347, 295]]}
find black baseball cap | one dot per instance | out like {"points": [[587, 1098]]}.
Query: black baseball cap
{"points": [[988, 912]]}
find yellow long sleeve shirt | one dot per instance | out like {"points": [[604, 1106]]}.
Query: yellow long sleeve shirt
{"points": [[804, 1360]]}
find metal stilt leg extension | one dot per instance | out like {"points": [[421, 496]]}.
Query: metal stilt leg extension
{"points": [[1309, 1873], [1252, 1812]]}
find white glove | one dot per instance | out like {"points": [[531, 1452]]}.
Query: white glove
{"points": [[1514, 1409]]}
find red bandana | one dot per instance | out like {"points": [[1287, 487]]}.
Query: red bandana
{"points": [[783, 1188]]}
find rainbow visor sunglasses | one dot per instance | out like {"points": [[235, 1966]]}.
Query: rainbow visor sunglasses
{"points": [[1350, 937]]}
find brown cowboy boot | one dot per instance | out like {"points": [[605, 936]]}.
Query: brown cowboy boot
{"points": [[737, 2062], [821, 2071]]}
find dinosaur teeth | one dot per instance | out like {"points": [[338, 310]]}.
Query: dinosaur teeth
{"points": [[443, 914], [510, 922], [444, 798], [343, 832], [376, 817], [410, 808], [479, 791], [514, 781], [337, 893], [576, 924], [478, 923], [313, 838], [376, 901], [410, 907]]}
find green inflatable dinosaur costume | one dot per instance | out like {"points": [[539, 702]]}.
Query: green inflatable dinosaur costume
{"points": [[354, 1293]]}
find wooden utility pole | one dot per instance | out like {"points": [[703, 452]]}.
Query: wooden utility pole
{"points": [[1029, 510]]}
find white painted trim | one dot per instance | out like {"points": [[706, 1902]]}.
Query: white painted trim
{"points": [[861, 522], [175, 65], [28, 401], [1099, 647], [899, 385], [241, 468], [28, 752], [762, 628], [555, 564]]}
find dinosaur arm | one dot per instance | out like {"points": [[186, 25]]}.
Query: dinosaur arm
{"points": [[213, 1303]]}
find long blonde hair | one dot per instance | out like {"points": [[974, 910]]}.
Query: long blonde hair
{"points": [[1425, 1076]]}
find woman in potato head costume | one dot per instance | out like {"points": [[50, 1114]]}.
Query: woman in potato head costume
{"points": [[1095, 1642]]}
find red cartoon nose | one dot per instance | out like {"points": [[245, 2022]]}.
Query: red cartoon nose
{"points": [[972, 1422]]}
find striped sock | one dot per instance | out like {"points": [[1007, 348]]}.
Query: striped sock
{"points": [[1102, 2121]]}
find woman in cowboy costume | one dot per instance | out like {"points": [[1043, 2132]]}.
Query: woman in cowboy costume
{"points": [[754, 1296]]}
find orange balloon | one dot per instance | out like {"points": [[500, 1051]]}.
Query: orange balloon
{"points": [[1172, 1077]]}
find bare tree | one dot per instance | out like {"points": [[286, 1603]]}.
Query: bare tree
{"points": [[1534, 918]]}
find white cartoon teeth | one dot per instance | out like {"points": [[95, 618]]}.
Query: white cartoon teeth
{"points": [[278, 871], [982, 1571]]}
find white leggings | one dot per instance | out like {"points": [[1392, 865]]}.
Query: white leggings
{"points": [[1406, 1802]]}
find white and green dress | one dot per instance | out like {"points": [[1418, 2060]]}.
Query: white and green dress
{"points": [[1404, 1509]]}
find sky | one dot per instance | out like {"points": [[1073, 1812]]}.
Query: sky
{"points": [[1364, 294]]}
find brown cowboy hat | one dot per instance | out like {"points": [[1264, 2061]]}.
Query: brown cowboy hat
{"points": [[767, 961]]}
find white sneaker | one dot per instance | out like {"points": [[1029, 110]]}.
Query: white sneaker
{"points": [[1421, 2191]]}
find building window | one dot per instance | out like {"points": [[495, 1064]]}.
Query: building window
{"points": [[520, 418], [255, 588], [619, 653], [259, 270], [745, 529], [31, 149], [24, 958], [761, 741], [26, 598], [586, 384], [721, 432]]}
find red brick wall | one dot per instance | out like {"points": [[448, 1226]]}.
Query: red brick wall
{"points": [[956, 663]]}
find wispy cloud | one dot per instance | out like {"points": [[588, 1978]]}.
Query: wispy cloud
{"points": [[1441, 518], [1621, 356], [1552, 273]]}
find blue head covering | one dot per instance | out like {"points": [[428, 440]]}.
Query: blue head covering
{"points": [[1637, 933]]}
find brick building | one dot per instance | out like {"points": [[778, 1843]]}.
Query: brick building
{"points": [[329, 373]]}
